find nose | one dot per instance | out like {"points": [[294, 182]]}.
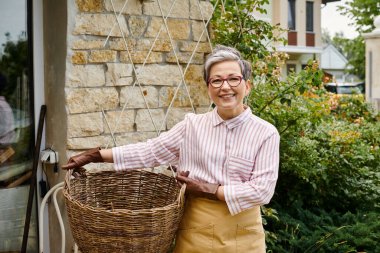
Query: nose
{"points": [[225, 85]]}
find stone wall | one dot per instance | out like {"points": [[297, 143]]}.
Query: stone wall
{"points": [[100, 74]]}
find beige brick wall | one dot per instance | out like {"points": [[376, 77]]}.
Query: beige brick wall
{"points": [[100, 74]]}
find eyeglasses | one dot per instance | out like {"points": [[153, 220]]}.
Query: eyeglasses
{"points": [[232, 81]]}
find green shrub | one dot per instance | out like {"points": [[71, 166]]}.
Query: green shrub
{"points": [[327, 197], [304, 231]]}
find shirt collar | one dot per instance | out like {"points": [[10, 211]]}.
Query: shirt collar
{"points": [[231, 123]]}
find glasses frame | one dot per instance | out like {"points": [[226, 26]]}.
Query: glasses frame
{"points": [[225, 80]]}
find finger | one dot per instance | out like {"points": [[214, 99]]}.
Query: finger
{"points": [[182, 179], [69, 166], [184, 173]]}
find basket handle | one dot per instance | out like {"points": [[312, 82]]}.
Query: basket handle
{"points": [[181, 195], [68, 176]]}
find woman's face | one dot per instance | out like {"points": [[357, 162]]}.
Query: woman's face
{"points": [[229, 100]]}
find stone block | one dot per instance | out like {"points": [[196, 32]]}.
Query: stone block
{"points": [[176, 115], [167, 94], [146, 117], [119, 74], [137, 25], [189, 46], [119, 121], [154, 74], [194, 75], [79, 57], [86, 76], [80, 100], [180, 99], [205, 109], [197, 58], [100, 24], [199, 31], [87, 44], [88, 142], [199, 95], [121, 44], [179, 29], [100, 56], [138, 57], [90, 5], [160, 45], [201, 10], [84, 124], [134, 97], [179, 10], [134, 137], [195, 95], [133, 7]]}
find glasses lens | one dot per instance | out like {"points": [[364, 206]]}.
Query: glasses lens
{"points": [[234, 80], [216, 82]]}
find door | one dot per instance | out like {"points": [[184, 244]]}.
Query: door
{"points": [[16, 125]]}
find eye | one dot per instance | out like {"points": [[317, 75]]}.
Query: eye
{"points": [[234, 79], [216, 81]]}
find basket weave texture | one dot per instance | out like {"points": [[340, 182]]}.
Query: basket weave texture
{"points": [[134, 211]]}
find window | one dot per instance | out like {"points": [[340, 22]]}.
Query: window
{"points": [[290, 68], [16, 125], [309, 16], [292, 14]]}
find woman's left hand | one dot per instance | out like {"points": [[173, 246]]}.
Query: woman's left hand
{"points": [[197, 188]]}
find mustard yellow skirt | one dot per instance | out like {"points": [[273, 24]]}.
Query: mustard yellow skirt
{"points": [[208, 226]]}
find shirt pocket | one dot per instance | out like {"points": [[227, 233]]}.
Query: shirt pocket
{"points": [[240, 169]]}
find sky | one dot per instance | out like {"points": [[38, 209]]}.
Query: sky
{"points": [[13, 19], [334, 22]]}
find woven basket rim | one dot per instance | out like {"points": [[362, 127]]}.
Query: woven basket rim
{"points": [[68, 197]]}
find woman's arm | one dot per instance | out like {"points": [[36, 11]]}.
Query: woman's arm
{"points": [[107, 155]]}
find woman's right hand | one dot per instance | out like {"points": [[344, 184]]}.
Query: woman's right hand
{"points": [[89, 156]]}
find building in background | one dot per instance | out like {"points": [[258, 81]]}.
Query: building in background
{"points": [[372, 52], [302, 19], [334, 65]]}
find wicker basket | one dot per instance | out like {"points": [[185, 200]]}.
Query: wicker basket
{"points": [[134, 211]]}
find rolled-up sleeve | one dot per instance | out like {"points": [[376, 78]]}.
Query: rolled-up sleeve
{"points": [[260, 188], [161, 150]]}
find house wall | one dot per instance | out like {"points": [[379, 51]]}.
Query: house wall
{"points": [[90, 82], [372, 50], [299, 54], [55, 50]]}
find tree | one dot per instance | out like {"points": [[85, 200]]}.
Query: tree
{"points": [[328, 193], [13, 63], [352, 49], [362, 14]]}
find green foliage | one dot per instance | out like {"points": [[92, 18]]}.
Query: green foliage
{"points": [[234, 25], [328, 193], [305, 231], [362, 13], [352, 49], [13, 64]]}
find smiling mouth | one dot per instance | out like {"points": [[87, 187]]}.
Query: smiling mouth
{"points": [[227, 96]]}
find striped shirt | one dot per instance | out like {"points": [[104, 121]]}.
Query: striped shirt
{"points": [[241, 153]]}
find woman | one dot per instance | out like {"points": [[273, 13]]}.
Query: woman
{"points": [[227, 157]]}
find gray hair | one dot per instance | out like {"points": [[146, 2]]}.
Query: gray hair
{"points": [[224, 53]]}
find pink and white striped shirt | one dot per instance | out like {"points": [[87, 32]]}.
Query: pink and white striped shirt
{"points": [[242, 154]]}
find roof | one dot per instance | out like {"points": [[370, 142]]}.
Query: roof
{"points": [[329, 1], [331, 59]]}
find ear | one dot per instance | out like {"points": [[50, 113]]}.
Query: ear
{"points": [[248, 86]]}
